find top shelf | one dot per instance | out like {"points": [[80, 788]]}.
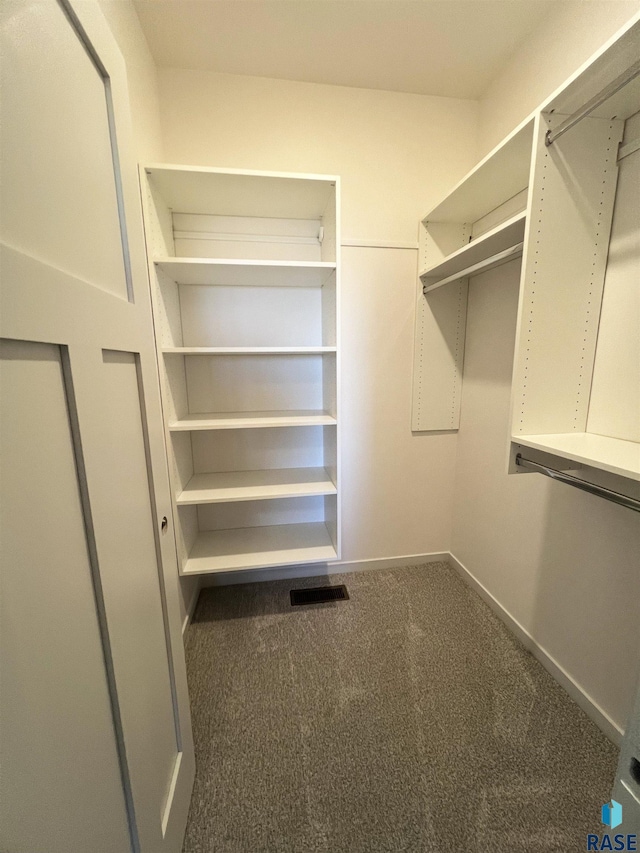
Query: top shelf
{"points": [[596, 75], [502, 174], [236, 192]]}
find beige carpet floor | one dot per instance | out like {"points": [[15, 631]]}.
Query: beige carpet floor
{"points": [[405, 720]]}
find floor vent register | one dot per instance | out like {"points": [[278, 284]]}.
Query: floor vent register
{"points": [[319, 595]]}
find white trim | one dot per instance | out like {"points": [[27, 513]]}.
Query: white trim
{"points": [[579, 696], [320, 569], [376, 244], [166, 814], [191, 608]]}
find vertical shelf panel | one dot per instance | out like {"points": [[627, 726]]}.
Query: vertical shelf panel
{"points": [[441, 318], [564, 264]]}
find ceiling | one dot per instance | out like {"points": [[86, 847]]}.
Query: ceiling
{"points": [[452, 48]]}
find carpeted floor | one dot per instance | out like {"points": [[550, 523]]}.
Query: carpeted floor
{"points": [[405, 720]]}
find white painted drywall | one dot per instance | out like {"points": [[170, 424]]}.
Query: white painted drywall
{"points": [[558, 46], [563, 563], [145, 120], [141, 76], [397, 154]]}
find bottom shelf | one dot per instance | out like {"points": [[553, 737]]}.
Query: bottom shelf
{"points": [[597, 451], [259, 548]]}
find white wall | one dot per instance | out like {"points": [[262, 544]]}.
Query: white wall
{"points": [[397, 154], [145, 120], [141, 77], [559, 45], [562, 563]]}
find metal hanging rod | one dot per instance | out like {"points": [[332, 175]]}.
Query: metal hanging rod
{"points": [[592, 104], [482, 266], [600, 491]]}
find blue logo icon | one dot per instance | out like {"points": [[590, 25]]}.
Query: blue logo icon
{"points": [[612, 814]]}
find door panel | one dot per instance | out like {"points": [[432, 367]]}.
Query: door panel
{"points": [[128, 539], [54, 703], [59, 170], [71, 217]]}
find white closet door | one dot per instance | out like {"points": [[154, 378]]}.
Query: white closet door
{"points": [[96, 749]]}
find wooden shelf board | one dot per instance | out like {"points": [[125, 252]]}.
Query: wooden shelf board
{"points": [[251, 420], [503, 173], [256, 485], [237, 192], [248, 350], [247, 273], [597, 451], [259, 548], [501, 237]]}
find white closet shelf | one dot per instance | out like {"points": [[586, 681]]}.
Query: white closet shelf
{"points": [[478, 254], [240, 192], [248, 350], [502, 174], [256, 485], [248, 273], [251, 420], [259, 547], [598, 451]]}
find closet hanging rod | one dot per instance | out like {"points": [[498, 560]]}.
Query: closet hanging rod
{"points": [[482, 266], [592, 104], [600, 491]]}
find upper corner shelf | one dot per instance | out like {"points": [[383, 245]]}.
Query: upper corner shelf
{"points": [[253, 273], [502, 174], [501, 244], [599, 77], [236, 192]]}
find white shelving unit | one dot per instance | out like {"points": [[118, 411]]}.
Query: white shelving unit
{"points": [[576, 383], [561, 192], [479, 225], [245, 283]]}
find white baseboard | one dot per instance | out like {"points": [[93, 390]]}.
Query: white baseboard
{"points": [[320, 569], [191, 607], [582, 699]]}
